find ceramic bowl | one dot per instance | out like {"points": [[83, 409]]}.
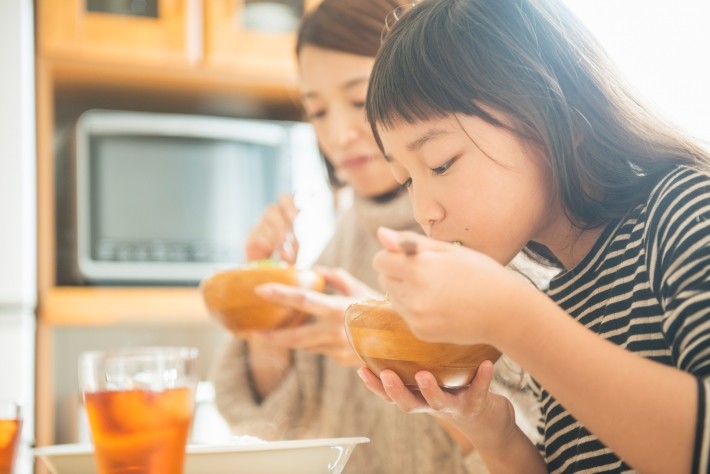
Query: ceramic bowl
{"points": [[383, 340], [230, 298]]}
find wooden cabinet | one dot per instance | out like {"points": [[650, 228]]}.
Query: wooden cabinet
{"points": [[185, 56], [251, 39], [163, 32], [234, 41]]}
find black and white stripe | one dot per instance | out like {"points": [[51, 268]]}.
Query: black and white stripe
{"points": [[646, 287]]}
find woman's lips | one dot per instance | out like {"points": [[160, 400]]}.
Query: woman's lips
{"points": [[354, 162]]}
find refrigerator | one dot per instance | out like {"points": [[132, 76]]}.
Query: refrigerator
{"points": [[18, 216]]}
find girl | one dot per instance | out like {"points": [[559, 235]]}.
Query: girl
{"points": [[263, 387], [510, 129]]}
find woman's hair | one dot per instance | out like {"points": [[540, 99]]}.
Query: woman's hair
{"points": [[348, 26], [535, 62]]}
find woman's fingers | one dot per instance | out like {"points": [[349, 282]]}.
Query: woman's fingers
{"points": [[288, 208], [343, 282], [301, 299], [274, 232]]}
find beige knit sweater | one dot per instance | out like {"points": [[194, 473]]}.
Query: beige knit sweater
{"points": [[319, 398]]}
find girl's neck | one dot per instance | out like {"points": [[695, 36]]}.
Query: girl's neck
{"points": [[575, 245], [567, 242]]}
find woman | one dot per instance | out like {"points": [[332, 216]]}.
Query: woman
{"points": [[266, 389]]}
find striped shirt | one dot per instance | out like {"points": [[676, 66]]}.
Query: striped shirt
{"points": [[645, 286]]}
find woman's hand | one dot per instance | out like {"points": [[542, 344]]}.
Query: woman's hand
{"points": [[445, 292], [325, 332], [274, 232]]}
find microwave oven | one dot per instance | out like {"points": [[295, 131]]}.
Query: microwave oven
{"points": [[168, 198]]}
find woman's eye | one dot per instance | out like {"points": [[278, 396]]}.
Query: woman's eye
{"points": [[315, 115], [359, 104], [407, 183], [443, 168]]}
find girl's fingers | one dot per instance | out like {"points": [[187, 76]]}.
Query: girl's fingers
{"points": [[477, 395], [437, 399], [373, 383], [403, 397], [408, 242]]}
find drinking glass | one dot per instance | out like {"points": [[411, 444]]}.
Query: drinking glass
{"points": [[140, 403], [10, 433]]}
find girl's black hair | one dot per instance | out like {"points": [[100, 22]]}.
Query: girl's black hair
{"points": [[535, 62]]}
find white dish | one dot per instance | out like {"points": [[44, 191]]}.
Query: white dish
{"points": [[310, 456]]}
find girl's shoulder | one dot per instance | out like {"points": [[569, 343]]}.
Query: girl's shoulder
{"points": [[683, 187], [681, 181]]}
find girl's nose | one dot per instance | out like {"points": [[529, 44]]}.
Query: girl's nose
{"points": [[427, 211]]}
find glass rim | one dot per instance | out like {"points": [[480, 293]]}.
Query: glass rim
{"points": [[143, 352], [15, 409]]}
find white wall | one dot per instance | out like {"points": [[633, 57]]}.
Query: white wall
{"points": [[17, 156], [661, 48], [17, 213]]}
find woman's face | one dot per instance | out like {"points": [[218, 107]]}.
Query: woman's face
{"points": [[474, 182], [333, 90]]}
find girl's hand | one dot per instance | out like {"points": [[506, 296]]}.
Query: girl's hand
{"points": [[325, 332], [486, 419], [445, 292], [274, 232]]}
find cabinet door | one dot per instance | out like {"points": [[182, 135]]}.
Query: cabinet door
{"points": [[254, 38], [149, 32]]}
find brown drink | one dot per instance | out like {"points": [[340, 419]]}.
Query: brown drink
{"points": [[140, 404], [10, 432], [138, 431]]}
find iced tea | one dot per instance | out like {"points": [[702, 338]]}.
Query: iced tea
{"points": [[140, 431], [10, 430]]}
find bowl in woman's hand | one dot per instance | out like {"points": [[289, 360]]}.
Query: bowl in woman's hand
{"points": [[230, 297], [383, 340]]}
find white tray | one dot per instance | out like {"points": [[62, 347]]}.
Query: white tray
{"points": [[310, 456]]}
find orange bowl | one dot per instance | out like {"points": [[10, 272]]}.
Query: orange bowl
{"points": [[230, 298], [382, 339]]}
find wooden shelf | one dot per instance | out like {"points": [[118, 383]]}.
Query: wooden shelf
{"points": [[254, 83], [104, 306], [177, 63]]}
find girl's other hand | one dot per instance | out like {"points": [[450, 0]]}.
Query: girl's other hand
{"points": [[445, 292], [325, 332], [485, 418], [274, 233]]}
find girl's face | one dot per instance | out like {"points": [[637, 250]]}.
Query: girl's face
{"points": [[333, 91], [474, 182]]}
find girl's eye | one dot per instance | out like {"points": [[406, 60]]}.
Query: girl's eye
{"points": [[407, 183], [359, 104], [443, 168]]}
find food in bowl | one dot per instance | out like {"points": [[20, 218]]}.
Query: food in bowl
{"points": [[230, 298], [383, 340]]}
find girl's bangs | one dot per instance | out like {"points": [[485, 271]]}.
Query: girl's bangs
{"points": [[408, 83], [400, 93]]}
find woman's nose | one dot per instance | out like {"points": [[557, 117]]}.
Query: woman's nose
{"points": [[344, 128]]}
